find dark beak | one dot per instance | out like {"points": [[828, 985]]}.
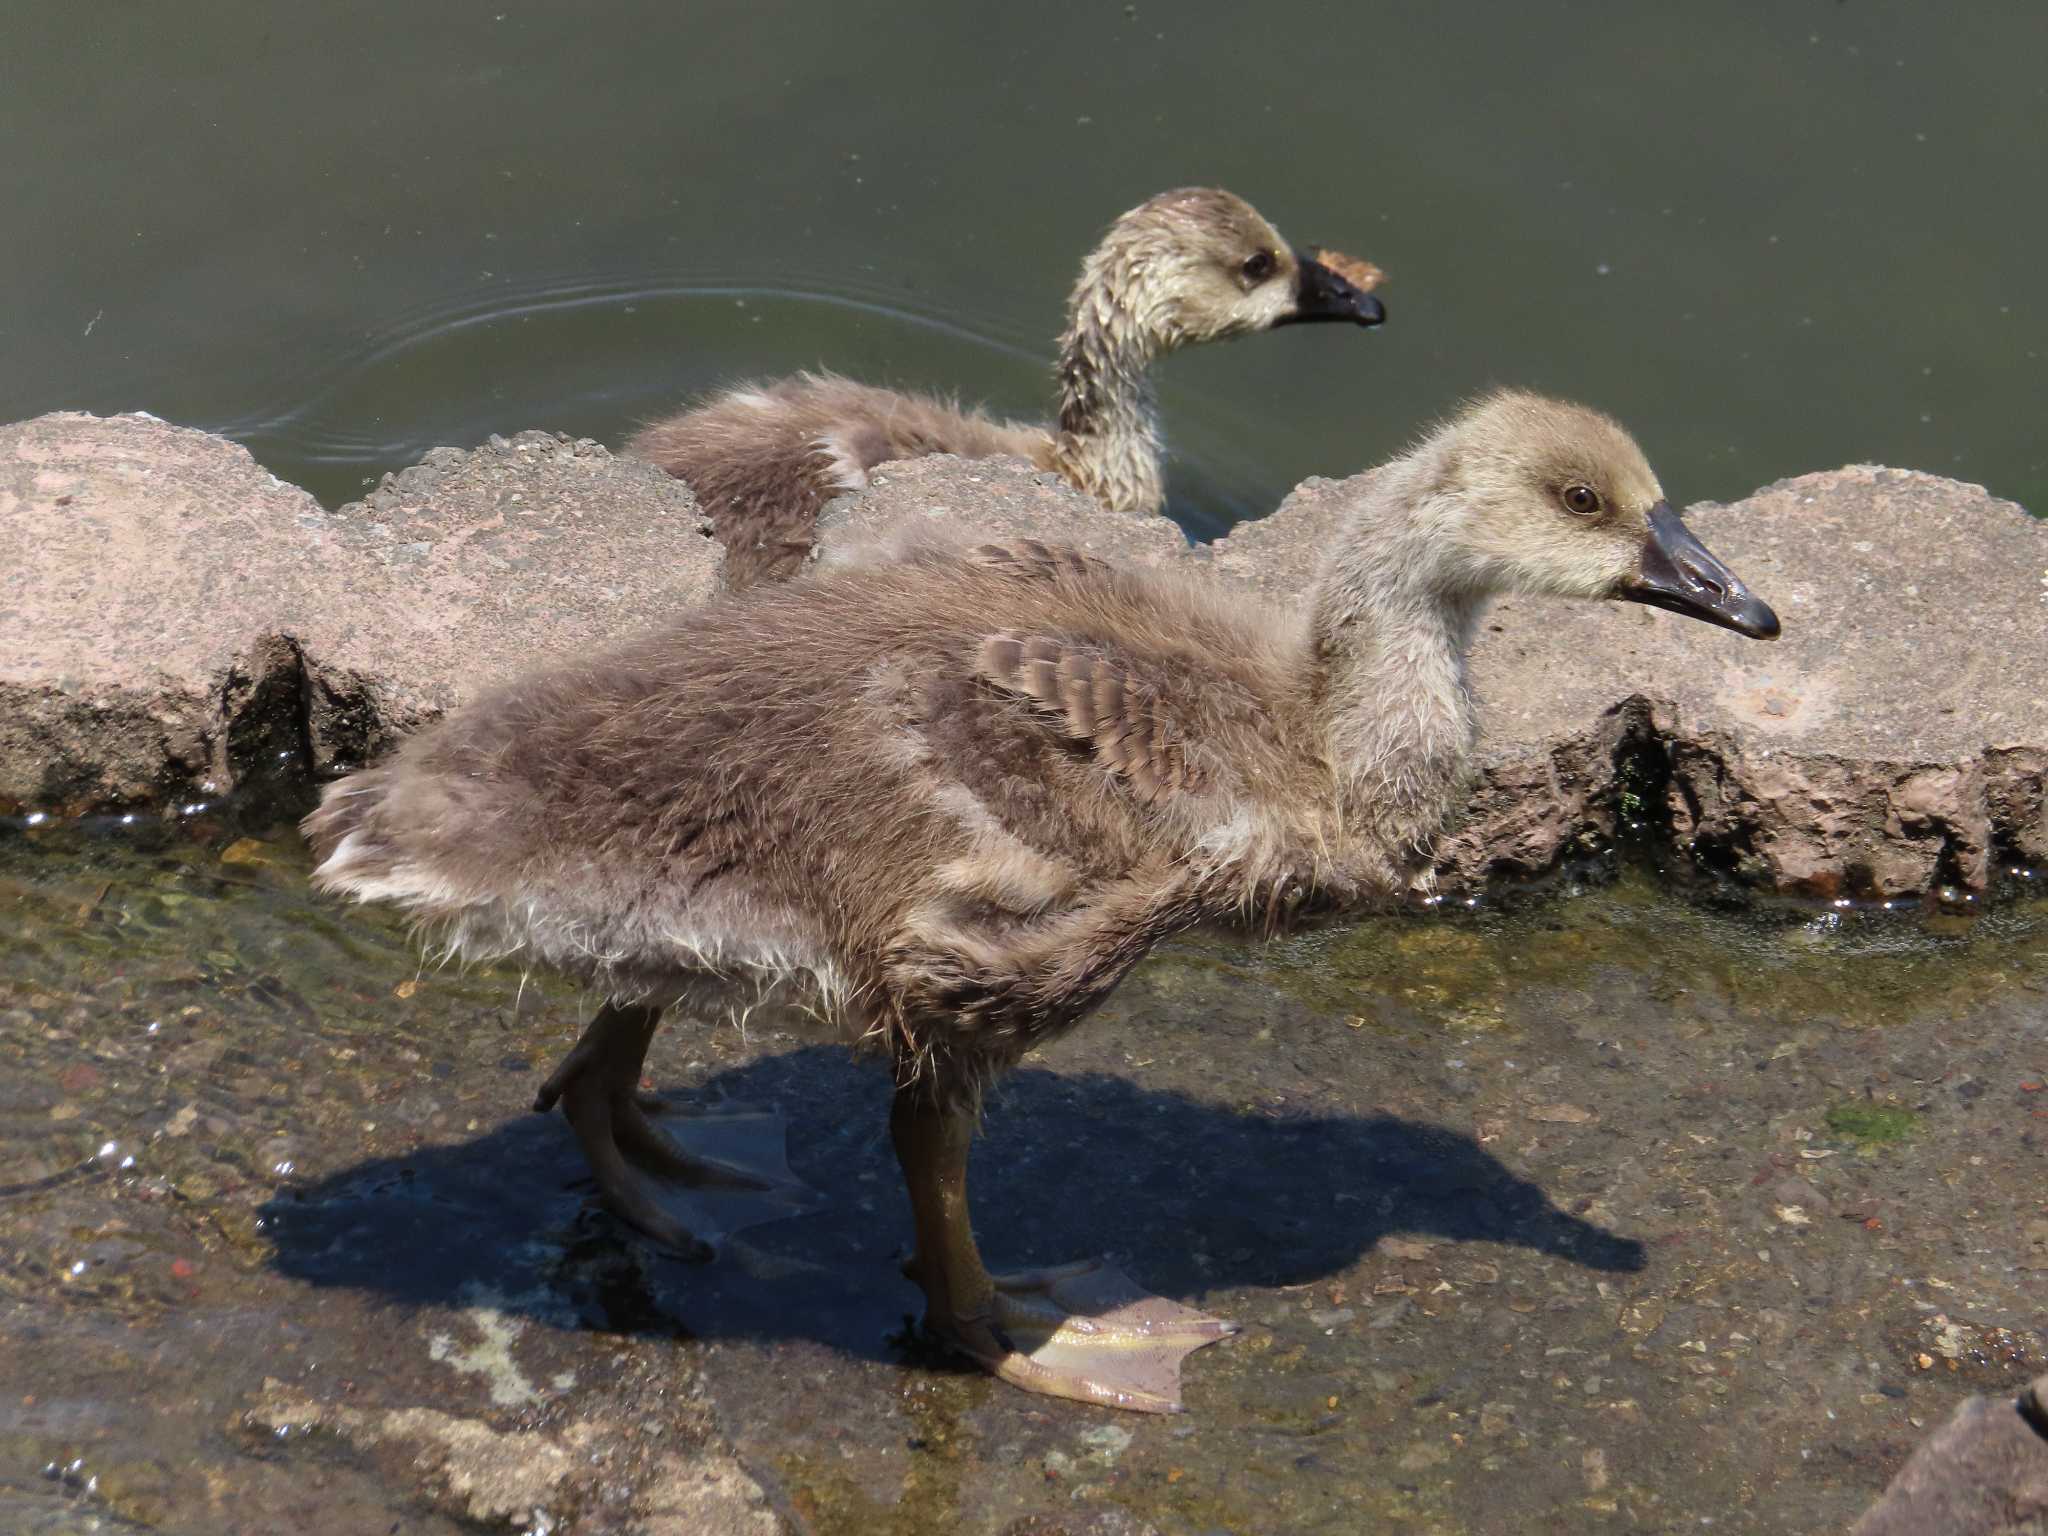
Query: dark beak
{"points": [[1323, 295], [1680, 573]]}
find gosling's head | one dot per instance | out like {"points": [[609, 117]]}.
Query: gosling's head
{"points": [[1200, 264], [1549, 497]]}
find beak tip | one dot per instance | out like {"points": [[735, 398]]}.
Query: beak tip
{"points": [[1755, 618], [1679, 574], [1325, 293]]}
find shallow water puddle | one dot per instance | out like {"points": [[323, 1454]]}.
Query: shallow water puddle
{"points": [[1600, 1210]]}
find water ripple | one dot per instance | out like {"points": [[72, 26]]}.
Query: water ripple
{"points": [[301, 406]]}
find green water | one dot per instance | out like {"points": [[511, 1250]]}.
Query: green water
{"points": [[1775, 237]]}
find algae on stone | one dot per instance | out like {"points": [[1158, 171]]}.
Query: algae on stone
{"points": [[1871, 1125]]}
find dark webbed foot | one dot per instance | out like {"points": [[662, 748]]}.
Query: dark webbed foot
{"points": [[704, 1175]]}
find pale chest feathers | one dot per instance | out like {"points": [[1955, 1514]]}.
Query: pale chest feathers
{"points": [[1263, 867], [1365, 835]]}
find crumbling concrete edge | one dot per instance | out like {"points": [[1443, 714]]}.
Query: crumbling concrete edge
{"points": [[1814, 825], [1982, 1473], [300, 701], [274, 722]]}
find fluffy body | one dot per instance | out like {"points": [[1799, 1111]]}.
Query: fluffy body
{"points": [[763, 458], [951, 799], [947, 802]]}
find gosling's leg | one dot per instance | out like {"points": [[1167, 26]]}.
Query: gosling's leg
{"points": [[586, 1049], [1083, 1331], [597, 1085]]}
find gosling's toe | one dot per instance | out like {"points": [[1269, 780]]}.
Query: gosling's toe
{"points": [[1085, 1331]]}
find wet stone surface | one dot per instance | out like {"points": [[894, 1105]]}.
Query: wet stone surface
{"points": [[1600, 1210]]}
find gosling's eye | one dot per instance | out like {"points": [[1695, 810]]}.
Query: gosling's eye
{"points": [[1259, 266], [1581, 500]]}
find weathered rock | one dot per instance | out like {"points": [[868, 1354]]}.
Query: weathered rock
{"points": [[524, 549], [175, 617], [145, 566], [947, 496], [1895, 739], [1983, 1473], [1281, 554]]}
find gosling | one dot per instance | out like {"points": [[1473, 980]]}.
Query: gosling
{"points": [[1197, 264], [951, 799]]}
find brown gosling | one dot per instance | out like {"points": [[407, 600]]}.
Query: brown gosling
{"points": [[949, 800], [1192, 265]]}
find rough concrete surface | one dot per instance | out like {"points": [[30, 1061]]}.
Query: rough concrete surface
{"points": [[945, 496], [1983, 1473], [529, 547], [507, 1477], [175, 617]]}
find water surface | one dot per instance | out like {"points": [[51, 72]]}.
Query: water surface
{"points": [[1774, 237]]}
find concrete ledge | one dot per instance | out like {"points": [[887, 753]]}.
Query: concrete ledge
{"points": [[1001, 498], [176, 618], [1983, 1473]]}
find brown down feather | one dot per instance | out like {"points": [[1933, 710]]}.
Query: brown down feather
{"points": [[949, 799], [978, 834]]}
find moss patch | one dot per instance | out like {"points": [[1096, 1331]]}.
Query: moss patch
{"points": [[1871, 1125]]}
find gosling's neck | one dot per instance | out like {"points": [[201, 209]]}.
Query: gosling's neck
{"points": [[1392, 632], [1108, 443]]}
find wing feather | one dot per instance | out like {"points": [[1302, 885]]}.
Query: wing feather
{"points": [[1034, 560], [1100, 701]]}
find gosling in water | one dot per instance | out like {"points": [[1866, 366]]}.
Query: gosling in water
{"points": [[1198, 264]]}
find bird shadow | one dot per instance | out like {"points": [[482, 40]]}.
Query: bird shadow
{"points": [[1192, 1196]]}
